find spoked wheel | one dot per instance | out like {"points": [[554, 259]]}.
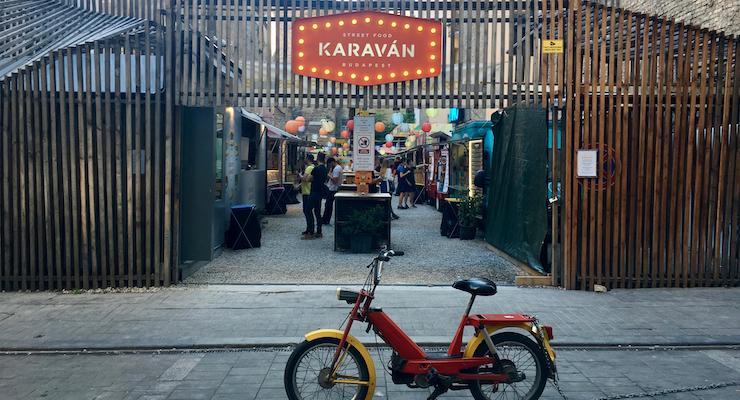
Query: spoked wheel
{"points": [[521, 357], [307, 374]]}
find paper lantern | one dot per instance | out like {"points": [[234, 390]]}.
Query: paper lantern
{"points": [[344, 134], [382, 151], [389, 138], [394, 149], [431, 112], [291, 127], [322, 132], [397, 118], [334, 150], [388, 144], [408, 144], [345, 146], [351, 124], [426, 127], [379, 126], [411, 139], [404, 127], [314, 137], [333, 139], [302, 128], [300, 119], [328, 125]]}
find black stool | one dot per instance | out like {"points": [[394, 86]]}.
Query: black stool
{"points": [[244, 228]]}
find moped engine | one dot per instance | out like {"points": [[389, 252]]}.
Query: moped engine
{"points": [[395, 365]]}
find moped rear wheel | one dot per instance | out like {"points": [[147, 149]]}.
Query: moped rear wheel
{"points": [[306, 374], [526, 356]]}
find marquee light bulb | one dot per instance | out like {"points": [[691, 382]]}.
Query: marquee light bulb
{"points": [[407, 26], [328, 24], [300, 67], [315, 26], [405, 73], [433, 44], [393, 74], [367, 19], [365, 78], [418, 72], [313, 69], [431, 70], [380, 22], [340, 73], [302, 28], [300, 54], [432, 57], [394, 24], [420, 28], [354, 21], [434, 30], [380, 76], [341, 23], [353, 76], [327, 72], [301, 41]]}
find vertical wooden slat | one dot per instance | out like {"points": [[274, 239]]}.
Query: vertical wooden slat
{"points": [[721, 269], [129, 160], [14, 143], [146, 207], [27, 187], [38, 264], [98, 174], [156, 170], [119, 58], [81, 159], [675, 250], [664, 223], [109, 164], [6, 276], [689, 170], [168, 131]]}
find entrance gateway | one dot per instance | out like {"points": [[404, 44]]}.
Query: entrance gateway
{"points": [[659, 98]]}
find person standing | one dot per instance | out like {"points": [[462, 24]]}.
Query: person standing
{"points": [[318, 186], [411, 180], [335, 180], [305, 179], [385, 178], [401, 173]]}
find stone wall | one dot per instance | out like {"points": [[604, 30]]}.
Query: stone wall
{"points": [[718, 15]]}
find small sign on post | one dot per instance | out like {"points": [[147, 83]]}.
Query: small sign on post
{"points": [[363, 151], [586, 163], [552, 46]]}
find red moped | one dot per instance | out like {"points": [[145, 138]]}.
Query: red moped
{"points": [[509, 355]]}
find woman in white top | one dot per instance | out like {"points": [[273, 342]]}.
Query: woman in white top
{"points": [[386, 177]]}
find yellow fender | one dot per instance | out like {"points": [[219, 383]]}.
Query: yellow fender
{"points": [[337, 334], [479, 338]]}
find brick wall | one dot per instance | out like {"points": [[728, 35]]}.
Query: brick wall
{"points": [[718, 15]]}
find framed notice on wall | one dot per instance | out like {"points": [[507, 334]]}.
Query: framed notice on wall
{"points": [[586, 162], [363, 145]]}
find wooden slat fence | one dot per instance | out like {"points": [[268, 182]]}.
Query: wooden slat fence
{"points": [[660, 101], [87, 168]]}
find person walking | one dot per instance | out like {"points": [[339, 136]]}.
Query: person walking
{"points": [[305, 179], [403, 185], [318, 186], [411, 179], [385, 178], [335, 180]]}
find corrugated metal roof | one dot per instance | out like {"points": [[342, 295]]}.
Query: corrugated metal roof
{"points": [[31, 29]]}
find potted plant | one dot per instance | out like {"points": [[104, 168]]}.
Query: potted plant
{"points": [[364, 228], [467, 215]]}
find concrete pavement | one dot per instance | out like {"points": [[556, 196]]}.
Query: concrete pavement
{"points": [[216, 316], [249, 375]]}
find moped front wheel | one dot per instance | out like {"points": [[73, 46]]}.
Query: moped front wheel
{"points": [[516, 352], [307, 372]]}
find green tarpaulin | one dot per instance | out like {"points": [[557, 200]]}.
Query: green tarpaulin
{"points": [[516, 208]]}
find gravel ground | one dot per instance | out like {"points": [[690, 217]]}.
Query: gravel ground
{"points": [[284, 258]]}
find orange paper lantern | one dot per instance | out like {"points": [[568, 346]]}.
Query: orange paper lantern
{"points": [[345, 134], [322, 132], [291, 127], [379, 126], [426, 127], [345, 146], [351, 124]]}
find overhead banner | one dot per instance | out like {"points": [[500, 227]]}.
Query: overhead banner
{"points": [[363, 149], [366, 48]]}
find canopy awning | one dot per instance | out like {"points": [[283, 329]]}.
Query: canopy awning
{"points": [[273, 131]]}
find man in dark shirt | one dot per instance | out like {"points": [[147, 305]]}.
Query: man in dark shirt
{"points": [[318, 183]]}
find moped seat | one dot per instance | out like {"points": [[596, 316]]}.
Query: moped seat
{"points": [[476, 286]]}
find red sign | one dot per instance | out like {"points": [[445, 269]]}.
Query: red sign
{"points": [[366, 48]]}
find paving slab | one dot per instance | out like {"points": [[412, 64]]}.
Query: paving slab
{"points": [[249, 375], [254, 315]]}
